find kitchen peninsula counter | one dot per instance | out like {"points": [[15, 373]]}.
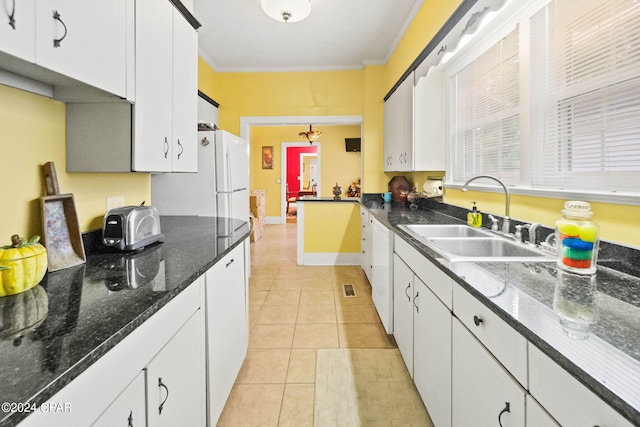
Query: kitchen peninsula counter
{"points": [[94, 306], [526, 296], [328, 231]]}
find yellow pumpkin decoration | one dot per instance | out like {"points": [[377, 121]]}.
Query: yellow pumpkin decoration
{"points": [[23, 264]]}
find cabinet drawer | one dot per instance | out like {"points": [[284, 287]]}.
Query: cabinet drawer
{"points": [[432, 276], [365, 221], [566, 399], [504, 342]]}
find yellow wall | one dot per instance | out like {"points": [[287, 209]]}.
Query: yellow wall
{"points": [[362, 92], [325, 93], [32, 132], [618, 223], [331, 227], [427, 22], [336, 164]]}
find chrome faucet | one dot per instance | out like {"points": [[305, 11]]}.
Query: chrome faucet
{"points": [[533, 228], [506, 221]]}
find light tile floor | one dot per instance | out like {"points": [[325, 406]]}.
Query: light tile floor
{"points": [[296, 313]]}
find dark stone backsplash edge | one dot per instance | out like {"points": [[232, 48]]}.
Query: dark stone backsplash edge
{"points": [[616, 256]]}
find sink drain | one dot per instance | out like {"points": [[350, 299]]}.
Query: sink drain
{"points": [[348, 290]]}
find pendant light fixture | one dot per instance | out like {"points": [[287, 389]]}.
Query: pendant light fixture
{"points": [[311, 136], [287, 10]]}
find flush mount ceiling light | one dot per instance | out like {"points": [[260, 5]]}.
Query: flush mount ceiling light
{"points": [[311, 136], [287, 10]]}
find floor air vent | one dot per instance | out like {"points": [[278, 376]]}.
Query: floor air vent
{"points": [[348, 290]]}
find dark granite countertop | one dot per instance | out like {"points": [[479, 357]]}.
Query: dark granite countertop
{"points": [[534, 298], [328, 199], [93, 306]]}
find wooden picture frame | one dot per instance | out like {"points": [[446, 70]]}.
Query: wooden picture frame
{"points": [[267, 157]]}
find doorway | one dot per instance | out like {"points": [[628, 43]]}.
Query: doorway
{"points": [[296, 174], [309, 173], [274, 180]]}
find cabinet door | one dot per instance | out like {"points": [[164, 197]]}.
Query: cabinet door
{"points": [[393, 144], [366, 243], [406, 98], [175, 383], [537, 416], [381, 273], [185, 96], [429, 121], [565, 398], [18, 28], [482, 391], [432, 353], [128, 410], [398, 128], [227, 328], [403, 310], [153, 112], [85, 40]]}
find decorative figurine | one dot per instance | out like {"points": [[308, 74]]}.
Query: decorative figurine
{"points": [[412, 198], [337, 191]]}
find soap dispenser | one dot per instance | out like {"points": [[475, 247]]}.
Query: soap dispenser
{"points": [[474, 217]]}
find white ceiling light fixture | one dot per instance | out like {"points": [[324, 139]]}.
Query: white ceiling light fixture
{"points": [[287, 10]]}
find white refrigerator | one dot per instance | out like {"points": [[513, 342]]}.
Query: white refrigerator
{"points": [[219, 188]]}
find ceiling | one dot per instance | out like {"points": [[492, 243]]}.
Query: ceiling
{"points": [[236, 35]]}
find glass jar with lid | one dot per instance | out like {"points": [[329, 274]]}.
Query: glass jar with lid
{"points": [[577, 238]]}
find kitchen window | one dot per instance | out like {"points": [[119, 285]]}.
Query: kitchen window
{"points": [[550, 104]]}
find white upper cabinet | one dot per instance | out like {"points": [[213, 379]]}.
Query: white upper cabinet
{"points": [[398, 128], [185, 99], [153, 112], [85, 40], [166, 110], [414, 124], [17, 28], [429, 121], [159, 132]]}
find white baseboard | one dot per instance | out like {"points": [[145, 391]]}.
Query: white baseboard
{"points": [[273, 220], [331, 258]]}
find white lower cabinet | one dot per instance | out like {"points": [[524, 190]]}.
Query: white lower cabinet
{"points": [[366, 243], [124, 381], [128, 409], [422, 329], [483, 392], [175, 383], [566, 399], [227, 328], [382, 273], [471, 367], [537, 416], [432, 353], [403, 310]]}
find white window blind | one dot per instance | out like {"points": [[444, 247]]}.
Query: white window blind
{"points": [[485, 123], [585, 95]]}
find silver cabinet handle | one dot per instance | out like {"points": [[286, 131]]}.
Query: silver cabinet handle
{"points": [[12, 19], [162, 385], [507, 408], [181, 149], [56, 17]]}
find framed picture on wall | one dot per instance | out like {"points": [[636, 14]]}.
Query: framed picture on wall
{"points": [[267, 157]]}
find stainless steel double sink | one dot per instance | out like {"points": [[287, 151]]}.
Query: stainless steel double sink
{"points": [[463, 243]]}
